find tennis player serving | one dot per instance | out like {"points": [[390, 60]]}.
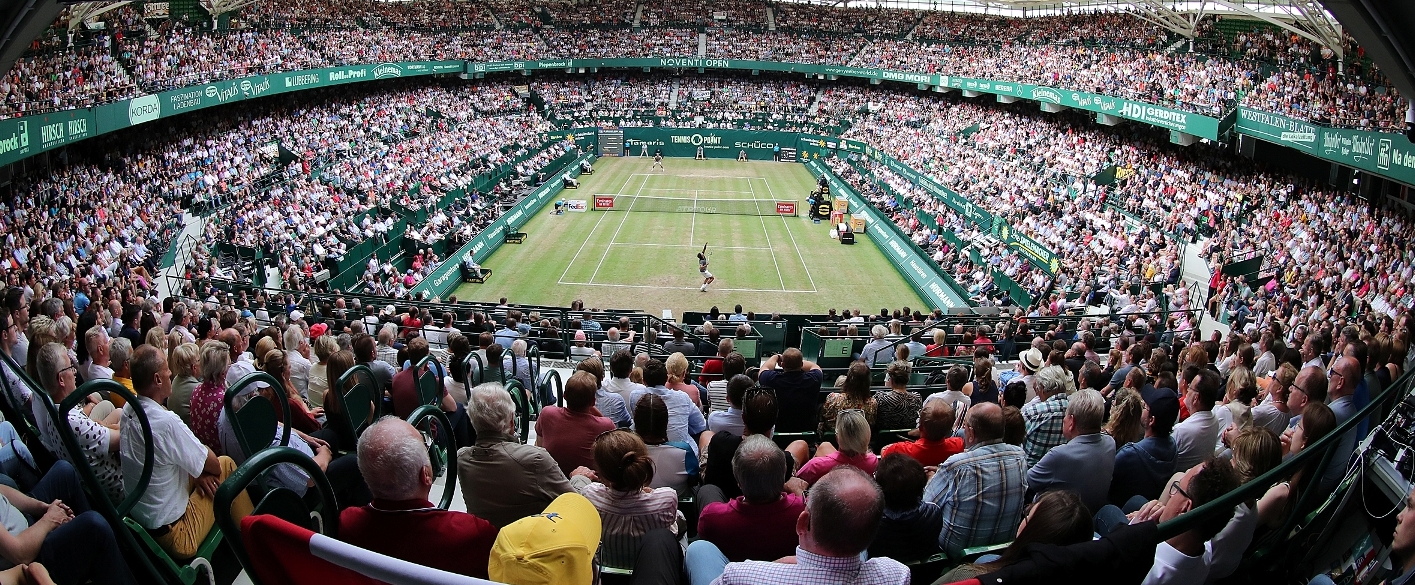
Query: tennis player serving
{"points": [[703, 268]]}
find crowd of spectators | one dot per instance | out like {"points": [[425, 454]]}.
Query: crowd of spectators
{"points": [[1107, 53], [704, 13], [798, 47], [875, 22], [709, 101], [592, 13]]}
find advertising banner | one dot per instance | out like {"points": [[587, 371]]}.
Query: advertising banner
{"points": [[1385, 154], [684, 142], [576, 205], [1187, 122], [22, 137]]}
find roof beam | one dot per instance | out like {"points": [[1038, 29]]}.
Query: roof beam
{"points": [[1181, 22], [1305, 18], [87, 11], [218, 7]]}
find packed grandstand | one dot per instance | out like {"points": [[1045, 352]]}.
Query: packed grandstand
{"points": [[285, 259]]}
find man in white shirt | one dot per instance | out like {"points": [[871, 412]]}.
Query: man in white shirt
{"points": [[297, 351], [1184, 558], [177, 506], [96, 368], [621, 363], [1194, 439]]}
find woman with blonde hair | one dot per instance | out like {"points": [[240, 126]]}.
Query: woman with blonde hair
{"points": [[852, 433], [156, 338], [185, 365], [204, 408], [1126, 416], [1235, 409], [628, 507], [677, 366], [324, 346]]}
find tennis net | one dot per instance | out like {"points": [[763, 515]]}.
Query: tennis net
{"points": [[654, 203]]}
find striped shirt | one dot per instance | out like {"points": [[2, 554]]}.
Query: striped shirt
{"points": [[814, 568], [626, 516], [981, 492]]}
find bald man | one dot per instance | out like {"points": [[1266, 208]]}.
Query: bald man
{"points": [[401, 522], [1345, 375], [841, 518], [797, 385]]}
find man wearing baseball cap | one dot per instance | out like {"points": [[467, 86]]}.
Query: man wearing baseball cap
{"points": [[1141, 468]]}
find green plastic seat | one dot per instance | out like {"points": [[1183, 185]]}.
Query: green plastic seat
{"points": [[255, 423], [442, 447], [322, 517]]}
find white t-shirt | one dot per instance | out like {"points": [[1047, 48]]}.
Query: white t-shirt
{"points": [[179, 456], [1177, 568]]}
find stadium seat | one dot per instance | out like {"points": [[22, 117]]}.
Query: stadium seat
{"points": [[282, 553], [255, 422], [315, 513], [442, 447], [523, 409], [351, 411]]}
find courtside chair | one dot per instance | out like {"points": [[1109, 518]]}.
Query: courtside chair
{"points": [[441, 447], [149, 563], [322, 518]]}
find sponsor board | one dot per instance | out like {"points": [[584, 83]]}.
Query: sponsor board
{"points": [[786, 207], [1387, 154], [144, 109], [603, 202], [576, 205]]}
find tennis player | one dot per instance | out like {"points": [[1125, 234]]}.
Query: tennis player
{"points": [[658, 161], [703, 268]]}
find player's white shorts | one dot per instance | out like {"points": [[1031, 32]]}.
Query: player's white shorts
{"points": [[706, 274]]}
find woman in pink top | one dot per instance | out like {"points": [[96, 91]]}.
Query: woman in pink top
{"points": [[677, 366], [852, 432]]}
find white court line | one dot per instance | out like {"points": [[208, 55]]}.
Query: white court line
{"points": [[697, 177], [593, 231], [693, 246], [713, 190], [616, 233], [787, 223], [693, 228], [769, 290], [779, 277]]}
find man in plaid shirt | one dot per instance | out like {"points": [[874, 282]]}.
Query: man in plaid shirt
{"points": [[981, 489], [1045, 415]]}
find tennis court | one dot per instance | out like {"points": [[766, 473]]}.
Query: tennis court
{"points": [[640, 251]]}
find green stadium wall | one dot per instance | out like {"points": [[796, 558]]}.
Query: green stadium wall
{"points": [[926, 277]]}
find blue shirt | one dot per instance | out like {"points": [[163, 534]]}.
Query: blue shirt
{"points": [[684, 419], [611, 406], [1141, 468], [981, 492], [505, 336]]}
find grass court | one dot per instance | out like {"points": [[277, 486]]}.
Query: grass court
{"points": [[643, 254]]}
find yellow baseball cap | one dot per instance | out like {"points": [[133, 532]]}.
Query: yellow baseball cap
{"points": [[556, 546]]}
